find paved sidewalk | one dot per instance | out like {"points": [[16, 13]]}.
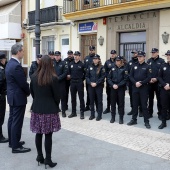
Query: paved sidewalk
{"points": [[92, 145]]}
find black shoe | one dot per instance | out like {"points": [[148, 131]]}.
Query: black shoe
{"points": [[91, 117], [21, 150], [140, 114], [40, 159], [82, 115], [132, 122], [72, 115], [148, 126], [98, 118], [3, 140], [106, 111], [112, 120], [49, 163], [87, 108], [63, 114], [21, 143], [121, 121], [130, 113], [163, 125]]}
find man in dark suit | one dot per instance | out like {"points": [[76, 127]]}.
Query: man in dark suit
{"points": [[17, 92]]}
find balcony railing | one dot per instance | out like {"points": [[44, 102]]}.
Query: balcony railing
{"points": [[78, 5], [47, 15]]}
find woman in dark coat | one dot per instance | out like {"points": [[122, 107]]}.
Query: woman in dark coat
{"points": [[44, 117]]}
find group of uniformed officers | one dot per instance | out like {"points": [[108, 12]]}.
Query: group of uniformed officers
{"points": [[143, 80]]}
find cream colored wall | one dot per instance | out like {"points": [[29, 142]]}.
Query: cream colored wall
{"points": [[164, 27], [102, 31]]}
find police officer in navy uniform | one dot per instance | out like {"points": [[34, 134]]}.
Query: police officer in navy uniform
{"points": [[77, 76], [88, 62], [155, 63], [68, 60], [109, 64], [95, 76], [140, 76], [117, 79], [2, 95], [61, 70], [164, 80], [51, 54], [34, 65]]}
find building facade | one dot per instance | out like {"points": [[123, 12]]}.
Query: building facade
{"points": [[122, 25]]}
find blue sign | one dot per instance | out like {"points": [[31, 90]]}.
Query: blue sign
{"points": [[88, 27]]}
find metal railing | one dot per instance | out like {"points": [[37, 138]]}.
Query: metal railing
{"points": [[47, 15], [78, 5]]}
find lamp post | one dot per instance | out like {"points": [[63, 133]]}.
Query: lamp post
{"points": [[37, 26]]}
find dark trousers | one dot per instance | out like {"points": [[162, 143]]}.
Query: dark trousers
{"points": [[47, 144], [96, 93], [74, 88], [15, 122], [165, 103], [140, 96], [67, 91], [154, 89], [118, 96], [63, 95], [88, 98], [2, 112], [130, 93], [108, 92]]}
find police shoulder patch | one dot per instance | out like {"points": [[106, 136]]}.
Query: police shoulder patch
{"points": [[71, 66], [135, 67], [150, 70], [164, 68], [91, 68], [113, 69], [126, 72]]}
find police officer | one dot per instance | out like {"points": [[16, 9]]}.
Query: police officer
{"points": [[34, 65], [2, 95], [109, 64], [140, 77], [164, 80], [61, 70], [77, 76], [95, 76], [155, 63], [88, 62], [51, 54], [68, 60], [117, 79], [130, 64]]}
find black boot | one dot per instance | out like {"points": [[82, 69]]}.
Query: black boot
{"points": [[99, 117], [92, 116], [130, 113], [121, 120], [63, 114], [72, 115], [148, 126], [82, 115], [87, 108], [132, 122], [112, 118], [107, 110], [49, 163], [163, 125], [40, 159]]}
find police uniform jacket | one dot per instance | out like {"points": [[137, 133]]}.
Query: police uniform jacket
{"points": [[109, 64], [140, 73], [2, 82], [88, 60], [164, 74], [93, 77], [131, 63], [155, 65], [76, 70], [68, 60], [33, 68], [118, 76], [61, 69]]}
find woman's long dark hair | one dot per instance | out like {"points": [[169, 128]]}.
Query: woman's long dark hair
{"points": [[99, 66], [45, 72]]}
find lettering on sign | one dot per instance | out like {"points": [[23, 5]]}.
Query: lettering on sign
{"points": [[131, 26]]}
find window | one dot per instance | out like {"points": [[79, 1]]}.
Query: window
{"points": [[65, 41], [50, 45]]}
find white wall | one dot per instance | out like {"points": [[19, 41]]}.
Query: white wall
{"points": [[164, 27]]}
